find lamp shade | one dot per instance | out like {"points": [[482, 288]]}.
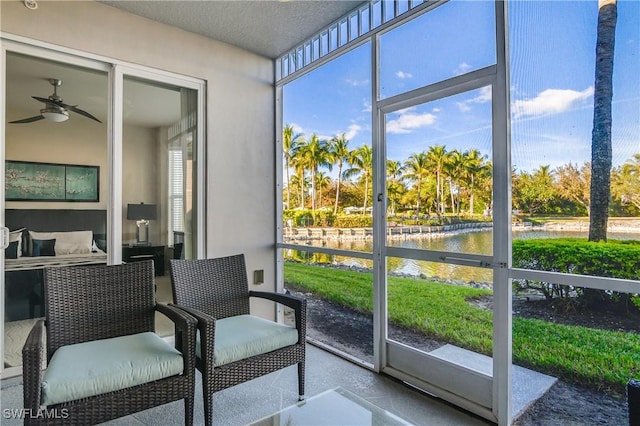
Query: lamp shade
{"points": [[57, 116], [142, 211]]}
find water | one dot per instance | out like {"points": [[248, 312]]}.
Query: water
{"points": [[474, 242]]}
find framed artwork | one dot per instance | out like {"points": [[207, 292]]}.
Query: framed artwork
{"points": [[30, 181]]}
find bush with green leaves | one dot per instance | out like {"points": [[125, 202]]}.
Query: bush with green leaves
{"points": [[308, 217], [353, 221], [613, 259]]}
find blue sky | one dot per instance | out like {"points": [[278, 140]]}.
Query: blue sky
{"points": [[552, 55]]}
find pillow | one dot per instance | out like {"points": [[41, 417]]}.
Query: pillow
{"points": [[72, 242], [12, 252], [16, 237], [43, 248]]}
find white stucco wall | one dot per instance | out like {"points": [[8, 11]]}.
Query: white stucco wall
{"points": [[240, 111]]}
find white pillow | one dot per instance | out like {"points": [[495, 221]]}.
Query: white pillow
{"points": [[72, 242], [17, 236]]}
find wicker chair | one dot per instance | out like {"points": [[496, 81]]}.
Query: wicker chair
{"points": [[216, 291], [95, 317]]}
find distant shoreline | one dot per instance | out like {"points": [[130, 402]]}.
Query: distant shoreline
{"points": [[631, 226]]}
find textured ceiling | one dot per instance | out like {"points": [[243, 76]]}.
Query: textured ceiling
{"points": [[268, 28]]}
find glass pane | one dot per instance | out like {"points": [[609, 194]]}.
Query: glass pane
{"points": [[595, 351], [453, 39], [324, 43], [389, 9], [376, 11], [315, 48], [158, 178], [552, 124], [327, 176], [339, 301], [62, 161], [431, 305], [353, 27], [439, 188], [333, 38], [344, 32], [364, 20]]}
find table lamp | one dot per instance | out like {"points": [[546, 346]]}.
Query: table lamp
{"points": [[142, 214]]}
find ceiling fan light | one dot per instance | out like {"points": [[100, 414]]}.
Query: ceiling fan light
{"points": [[57, 116]]}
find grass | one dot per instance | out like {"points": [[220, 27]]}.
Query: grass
{"points": [[598, 359]]}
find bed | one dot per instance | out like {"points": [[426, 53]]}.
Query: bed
{"points": [[41, 238]]}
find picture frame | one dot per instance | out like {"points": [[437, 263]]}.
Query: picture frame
{"points": [[34, 181]]}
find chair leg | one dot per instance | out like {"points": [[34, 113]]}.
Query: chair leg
{"points": [[188, 411], [208, 409], [301, 381]]}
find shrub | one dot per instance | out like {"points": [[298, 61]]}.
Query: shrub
{"points": [[308, 217], [614, 259], [353, 221]]}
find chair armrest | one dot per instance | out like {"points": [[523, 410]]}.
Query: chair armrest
{"points": [[207, 327], [286, 299], [185, 326], [32, 358], [298, 304]]}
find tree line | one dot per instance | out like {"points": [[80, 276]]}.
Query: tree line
{"points": [[438, 182]]}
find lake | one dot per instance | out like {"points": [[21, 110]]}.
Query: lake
{"points": [[475, 242]]}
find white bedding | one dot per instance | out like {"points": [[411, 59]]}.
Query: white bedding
{"points": [[41, 262]]}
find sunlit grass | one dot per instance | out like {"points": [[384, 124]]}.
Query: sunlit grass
{"points": [[595, 358]]}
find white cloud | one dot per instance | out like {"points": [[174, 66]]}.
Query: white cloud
{"points": [[462, 68], [356, 83], [366, 105], [483, 97], [408, 121], [463, 106], [403, 75], [353, 130], [550, 101], [296, 128], [436, 110]]}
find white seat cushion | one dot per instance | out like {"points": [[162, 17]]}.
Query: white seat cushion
{"points": [[101, 366], [244, 336]]}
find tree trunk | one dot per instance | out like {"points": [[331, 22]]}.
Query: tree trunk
{"points": [[601, 136], [335, 208]]}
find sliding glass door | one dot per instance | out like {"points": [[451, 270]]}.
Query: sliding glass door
{"points": [[102, 152], [159, 182], [56, 178]]}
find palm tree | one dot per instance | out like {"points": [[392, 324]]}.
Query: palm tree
{"points": [[437, 157], [290, 143], [630, 177], [339, 153], [601, 136], [361, 161], [473, 165], [299, 164], [394, 185], [455, 169], [322, 181], [315, 154], [417, 170]]}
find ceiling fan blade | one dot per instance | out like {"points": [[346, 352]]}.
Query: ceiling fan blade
{"points": [[28, 120], [45, 100], [61, 104], [82, 112]]}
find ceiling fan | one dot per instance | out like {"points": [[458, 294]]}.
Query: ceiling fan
{"points": [[55, 110]]}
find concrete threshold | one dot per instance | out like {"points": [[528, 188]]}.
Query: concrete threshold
{"points": [[527, 386]]}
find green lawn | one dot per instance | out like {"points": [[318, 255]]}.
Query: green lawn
{"points": [[594, 358]]}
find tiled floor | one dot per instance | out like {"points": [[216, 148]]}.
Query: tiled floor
{"points": [[249, 402]]}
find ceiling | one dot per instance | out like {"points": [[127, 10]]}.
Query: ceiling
{"points": [[145, 104], [266, 27]]}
